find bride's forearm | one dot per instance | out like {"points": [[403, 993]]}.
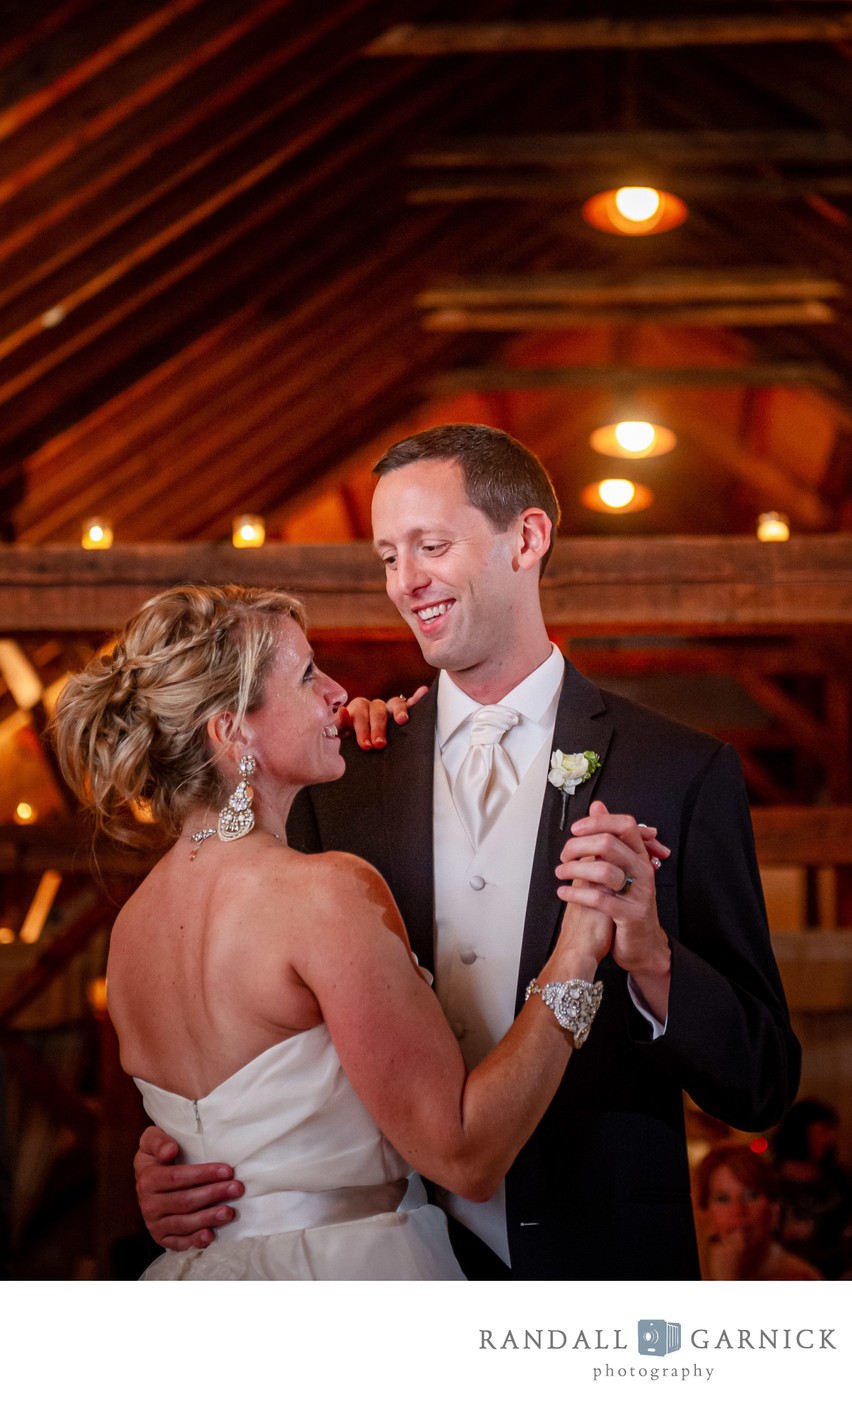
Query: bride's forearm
{"points": [[507, 1094]]}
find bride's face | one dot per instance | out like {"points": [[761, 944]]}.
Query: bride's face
{"points": [[292, 734]]}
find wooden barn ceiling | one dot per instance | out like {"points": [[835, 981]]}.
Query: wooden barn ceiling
{"points": [[246, 243]]}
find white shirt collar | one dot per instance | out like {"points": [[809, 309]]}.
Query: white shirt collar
{"points": [[531, 698]]}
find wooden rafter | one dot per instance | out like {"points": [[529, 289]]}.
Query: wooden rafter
{"points": [[662, 286], [517, 317], [804, 835], [681, 149], [809, 835], [764, 474], [485, 186], [809, 732], [605, 33], [626, 379]]}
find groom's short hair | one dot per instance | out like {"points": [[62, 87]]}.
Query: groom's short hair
{"points": [[502, 478]]}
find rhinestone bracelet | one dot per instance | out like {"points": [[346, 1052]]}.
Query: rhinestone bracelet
{"points": [[574, 1003]]}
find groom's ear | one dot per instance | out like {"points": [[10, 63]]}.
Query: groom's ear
{"points": [[533, 530]]}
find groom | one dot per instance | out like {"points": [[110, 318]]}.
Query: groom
{"points": [[462, 518]]}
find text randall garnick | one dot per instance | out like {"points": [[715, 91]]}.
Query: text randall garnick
{"points": [[601, 1340]]}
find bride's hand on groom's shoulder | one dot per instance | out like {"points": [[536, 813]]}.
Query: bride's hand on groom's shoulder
{"points": [[368, 720], [181, 1205]]}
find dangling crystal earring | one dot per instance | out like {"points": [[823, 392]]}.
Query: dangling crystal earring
{"points": [[237, 817]]}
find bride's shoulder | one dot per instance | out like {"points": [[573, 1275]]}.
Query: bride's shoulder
{"points": [[340, 873], [347, 890]]}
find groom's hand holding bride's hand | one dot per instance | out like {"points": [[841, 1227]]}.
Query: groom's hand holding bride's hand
{"points": [[368, 719], [606, 850], [180, 1205]]}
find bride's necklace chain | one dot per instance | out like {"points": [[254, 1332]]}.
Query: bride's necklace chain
{"points": [[201, 836]]}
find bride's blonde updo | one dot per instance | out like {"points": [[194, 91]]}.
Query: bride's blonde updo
{"points": [[131, 728]]}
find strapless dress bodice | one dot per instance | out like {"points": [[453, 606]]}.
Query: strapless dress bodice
{"points": [[324, 1190]]}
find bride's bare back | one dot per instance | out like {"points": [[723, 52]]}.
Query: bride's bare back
{"points": [[201, 975]]}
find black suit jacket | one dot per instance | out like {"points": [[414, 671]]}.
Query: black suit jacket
{"points": [[601, 1190]]}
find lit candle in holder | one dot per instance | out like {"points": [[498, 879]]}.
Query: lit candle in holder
{"points": [[97, 533], [773, 527], [248, 532]]}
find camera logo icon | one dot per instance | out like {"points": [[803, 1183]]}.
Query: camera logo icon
{"points": [[657, 1338]]}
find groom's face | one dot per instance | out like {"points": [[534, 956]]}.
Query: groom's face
{"points": [[449, 572]]}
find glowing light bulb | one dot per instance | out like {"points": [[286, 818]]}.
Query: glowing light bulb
{"points": [[616, 493], [7, 936], [616, 496], [773, 528], [25, 813], [633, 439], [634, 210], [637, 203], [635, 436]]}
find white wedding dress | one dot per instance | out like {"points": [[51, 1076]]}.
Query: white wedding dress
{"points": [[326, 1196]]}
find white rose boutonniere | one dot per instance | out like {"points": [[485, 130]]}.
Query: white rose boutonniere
{"points": [[567, 771]]}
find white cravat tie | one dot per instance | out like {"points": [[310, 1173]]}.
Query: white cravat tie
{"points": [[486, 779]]}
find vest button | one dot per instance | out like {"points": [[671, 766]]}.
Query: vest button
{"points": [[467, 958], [476, 882]]}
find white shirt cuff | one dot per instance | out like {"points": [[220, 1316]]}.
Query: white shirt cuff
{"points": [[658, 1027]]}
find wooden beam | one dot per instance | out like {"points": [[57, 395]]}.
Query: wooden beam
{"points": [[455, 320], [51, 959], [761, 782], [815, 968], [769, 476], [804, 835], [811, 734], [627, 379], [706, 584], [483, 186], [554, 36], [785, 834], [638, 657], [662, 286], [65, 844], [689, 149]]}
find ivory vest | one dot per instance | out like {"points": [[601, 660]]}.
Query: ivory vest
{"points": [[480, 908]]}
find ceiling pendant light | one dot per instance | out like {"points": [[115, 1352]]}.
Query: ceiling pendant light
{"points": [[616, 496], [634, 439], [635, 210]]}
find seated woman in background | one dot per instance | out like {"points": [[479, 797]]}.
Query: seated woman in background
{"points": [[738, 1202], [267, 1002]]}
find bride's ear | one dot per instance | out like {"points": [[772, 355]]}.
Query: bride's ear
{"points": [[224, 738]]}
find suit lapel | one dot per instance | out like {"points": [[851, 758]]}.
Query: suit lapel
{"points": [[408, 780], [581, 724]]}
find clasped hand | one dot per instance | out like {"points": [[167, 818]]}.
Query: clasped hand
{"points": [[603, 852]]}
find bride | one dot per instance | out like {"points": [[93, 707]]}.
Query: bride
{"points": [[267, 1003]]}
